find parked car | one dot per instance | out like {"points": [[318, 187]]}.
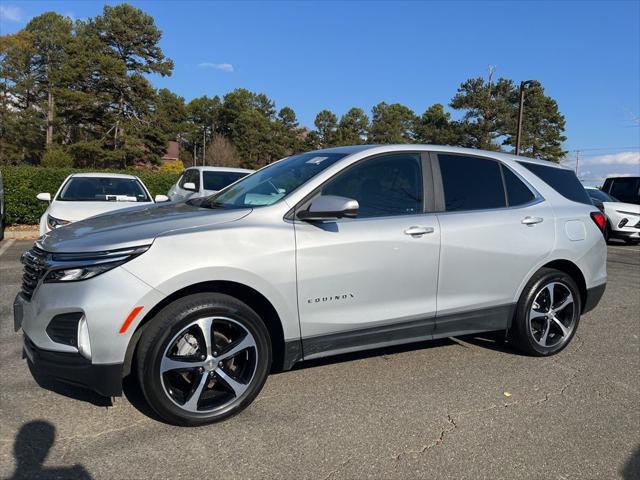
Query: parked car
{"points": [[203, 181], [318, 254], [625, 189], [84, 195], [2, 212], [623, 219]]}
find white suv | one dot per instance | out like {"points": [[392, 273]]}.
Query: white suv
{"points": [[318, 254], [203, 181]]}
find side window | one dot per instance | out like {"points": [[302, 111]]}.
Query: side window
{"points": [[517, 191], [192, 176], [562, 180], [624, 187], [383, 186], [185, 178], [471, 183]]}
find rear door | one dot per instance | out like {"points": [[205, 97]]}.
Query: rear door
{"points": [[495, 227], [371, 280]]}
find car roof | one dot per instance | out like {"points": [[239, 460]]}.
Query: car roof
{"points": [[221, 169], [103, 175], [506, 157]]}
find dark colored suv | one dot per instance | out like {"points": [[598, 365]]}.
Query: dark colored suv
{"points": [[625, 189]]}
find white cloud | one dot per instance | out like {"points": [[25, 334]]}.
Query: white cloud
{"points": [[10, 13], [622, 158], [225, 67]]}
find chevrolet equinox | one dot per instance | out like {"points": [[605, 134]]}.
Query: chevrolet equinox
{"points": [[322, 253]]}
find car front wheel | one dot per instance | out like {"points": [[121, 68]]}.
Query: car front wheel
{"points": [[203, 358], [547, 314]]}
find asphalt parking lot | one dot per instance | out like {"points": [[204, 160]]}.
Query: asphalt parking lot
{"points": [[459, 408]]}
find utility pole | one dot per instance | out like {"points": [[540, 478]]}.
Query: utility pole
{"points": [[520, 112], [577, 161], [194, 153], [204, 144]]}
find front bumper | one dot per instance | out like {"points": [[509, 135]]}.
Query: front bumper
{"points": [[73, 368]]}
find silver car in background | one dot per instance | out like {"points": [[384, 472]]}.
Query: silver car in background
{"points": [[321, 253], [203, 181]]}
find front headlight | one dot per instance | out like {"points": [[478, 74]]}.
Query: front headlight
{"points": [[74, 267], [54, 222]]}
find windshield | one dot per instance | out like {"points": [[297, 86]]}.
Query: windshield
{"points": [[272, 183], [600, 195], [218, 180], [103, 189]]}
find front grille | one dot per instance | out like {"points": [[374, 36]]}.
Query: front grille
{"points": [[34, 269], [64, 328]]}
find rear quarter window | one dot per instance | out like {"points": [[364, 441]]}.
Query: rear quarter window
{"points": [[561, 180]]}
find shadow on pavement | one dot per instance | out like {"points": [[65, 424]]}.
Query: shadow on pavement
{"points": [[32, 445], [68, 390], [631, 470]]}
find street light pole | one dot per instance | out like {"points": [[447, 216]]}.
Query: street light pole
{"points": [[520, 112]]}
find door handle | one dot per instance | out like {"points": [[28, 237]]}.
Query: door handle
{"points": [[417, 231], [531, 220]]}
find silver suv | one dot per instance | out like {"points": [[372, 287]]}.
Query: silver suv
{"points": [[318, 254]]}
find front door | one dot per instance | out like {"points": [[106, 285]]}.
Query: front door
{"points": [[370, 280]]}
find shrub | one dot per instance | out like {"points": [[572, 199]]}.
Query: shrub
{"points": [[172, 166], [56, 157], [23, 183]]}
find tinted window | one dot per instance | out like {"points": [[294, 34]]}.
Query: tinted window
{"points": [[625, 187], [383, 186], [471, 183], [191, 176], [103, 189], [561, 180], [272, 183], [600, 195], [218, 180], [517, 192]]}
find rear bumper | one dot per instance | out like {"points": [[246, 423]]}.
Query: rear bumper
{"points": [[73, 368], [594, 294]]}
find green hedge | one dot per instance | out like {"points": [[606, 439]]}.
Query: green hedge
{"points": [[22, 184]]}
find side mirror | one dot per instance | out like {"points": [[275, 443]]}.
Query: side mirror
{"points": [[189, 186], [330, 207], [161, 198], [44, 197]]}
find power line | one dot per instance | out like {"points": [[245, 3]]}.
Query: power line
{"points": [[603, 148]]}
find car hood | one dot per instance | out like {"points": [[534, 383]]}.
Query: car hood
{"points": [[622, 207], [134, 226], [74, 211]]}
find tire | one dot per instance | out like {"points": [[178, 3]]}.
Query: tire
{"points": [[174, 364], [541, 330], [607, 232]]}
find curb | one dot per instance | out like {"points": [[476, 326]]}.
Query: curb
{"points": [[21, 234]]}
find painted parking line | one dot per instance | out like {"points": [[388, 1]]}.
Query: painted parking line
{"points": [[6, 246], [625, 249]]}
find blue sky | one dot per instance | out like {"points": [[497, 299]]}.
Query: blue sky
{"points": [[335, 55]]}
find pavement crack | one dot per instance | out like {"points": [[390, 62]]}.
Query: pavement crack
{"points": [[446, 430], [337, 469]]}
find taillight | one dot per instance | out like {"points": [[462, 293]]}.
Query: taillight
{"points": [[600, 220]]}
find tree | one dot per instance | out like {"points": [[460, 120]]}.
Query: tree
{"points": [[392, 124], [436, 127], [353, 127], [126, 57], [222, 153], [326, 125], [287, 137], [487, 108], [542, 125], [50, 40]]}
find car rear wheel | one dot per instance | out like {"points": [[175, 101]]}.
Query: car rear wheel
{"points": [[547, 313], [204, 358]]}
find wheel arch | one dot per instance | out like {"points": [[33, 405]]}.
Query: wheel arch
{"points": [[575, 273], [248, 295]]}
